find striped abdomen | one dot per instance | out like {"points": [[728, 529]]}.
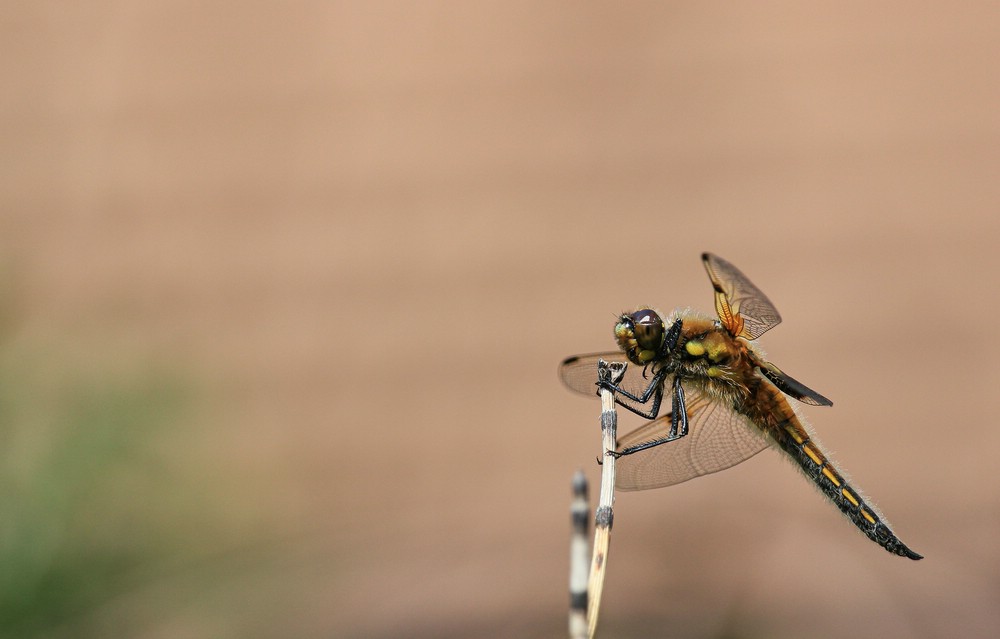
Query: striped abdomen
{"points": [[784, 427]]}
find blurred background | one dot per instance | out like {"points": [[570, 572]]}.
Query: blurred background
{"points": [[284, 287]]}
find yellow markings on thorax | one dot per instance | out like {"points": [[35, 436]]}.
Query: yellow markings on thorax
{"points": [[717, 350], [695, 348], [715, 345]]}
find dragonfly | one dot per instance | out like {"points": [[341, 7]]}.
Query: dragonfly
{"points": [[727, 402]]}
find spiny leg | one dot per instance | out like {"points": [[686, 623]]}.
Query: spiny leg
{"points": [[672, 337], [678, 424], [654, 391]]}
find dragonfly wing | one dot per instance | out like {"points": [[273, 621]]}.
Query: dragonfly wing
{"points": [[792, 387], [743, 309], [717, 438], [579, 373]]}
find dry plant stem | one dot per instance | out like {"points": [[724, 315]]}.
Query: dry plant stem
{"points": [[578, 562], [604, 517]]}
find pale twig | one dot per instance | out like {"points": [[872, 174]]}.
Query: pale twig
{"points": [[578, 565], [604, 517]]}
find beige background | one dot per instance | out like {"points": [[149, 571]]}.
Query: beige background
{"points": [[364, 234]]}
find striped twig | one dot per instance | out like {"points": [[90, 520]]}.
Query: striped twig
{"points": [[604, 517], [578, 564]]}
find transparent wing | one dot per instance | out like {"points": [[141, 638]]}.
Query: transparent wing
{"points": [[579, 373], [717, 438], [744, 310]]}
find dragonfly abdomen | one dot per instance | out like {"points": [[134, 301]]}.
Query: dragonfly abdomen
{"points": [[793, 438]]}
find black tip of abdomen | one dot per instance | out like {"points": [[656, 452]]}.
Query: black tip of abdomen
{"points": [[906, 552]]}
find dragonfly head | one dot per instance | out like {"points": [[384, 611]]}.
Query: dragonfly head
{"points": [[640, 335]]}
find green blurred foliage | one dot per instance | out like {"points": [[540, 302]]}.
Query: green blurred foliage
{"points": [[78, 470], [85, 484]]}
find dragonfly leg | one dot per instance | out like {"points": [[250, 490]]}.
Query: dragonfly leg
{"points": [[679, 417], [678, 424], [672, 337], [653, 392]]}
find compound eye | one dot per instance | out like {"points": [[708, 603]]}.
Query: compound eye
{"points": [[648, 329]]}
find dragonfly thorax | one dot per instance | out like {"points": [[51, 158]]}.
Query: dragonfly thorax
{"points": [[706, 352]]}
